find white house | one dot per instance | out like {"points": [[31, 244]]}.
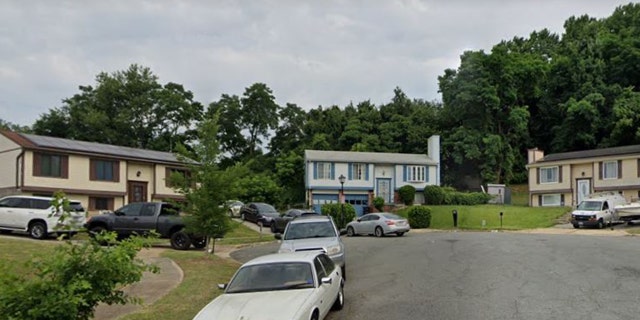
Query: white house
{"points": [[368, 175]]}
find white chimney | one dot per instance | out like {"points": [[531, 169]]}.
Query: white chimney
{"points": [[433, 149]]}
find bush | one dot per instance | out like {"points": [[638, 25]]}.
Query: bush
{"points": [[419, 217], [333, 210], [407, 194], [378, 203], [434, 195]]}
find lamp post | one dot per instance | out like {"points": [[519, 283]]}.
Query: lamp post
{"points": [[341, 178]]}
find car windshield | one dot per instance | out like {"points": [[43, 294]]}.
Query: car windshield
{"points": [[321, 229], [264, 208], [272, 276], [392, 216], [590, 205]]}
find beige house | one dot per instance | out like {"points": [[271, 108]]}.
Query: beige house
{"points": [[101, 176], [564, 179]]}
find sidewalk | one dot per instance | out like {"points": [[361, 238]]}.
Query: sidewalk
{"points": [[150, 288]]}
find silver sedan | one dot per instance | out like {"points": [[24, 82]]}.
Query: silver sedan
{"points": [[378, 224]]}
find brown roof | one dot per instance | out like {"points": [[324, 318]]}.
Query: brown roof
{"points": [[36, 142], [615, 151]]}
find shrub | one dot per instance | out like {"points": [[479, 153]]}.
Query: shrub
{"points": [[407, 194], [378, 203], [419, 217], [434, 195], [333, 210]]}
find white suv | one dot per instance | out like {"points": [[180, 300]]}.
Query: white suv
{"points": [[37, 216]]}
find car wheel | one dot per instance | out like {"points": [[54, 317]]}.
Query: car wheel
{"points": [[379, 233], [600, 224], [315, 315], [351, 232], [273, 228], [199, 242], [339, 303], [400, 234], [38, 230], [180, 240], [576, 226]]}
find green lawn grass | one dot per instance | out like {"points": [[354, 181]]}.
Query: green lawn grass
{"points": [[514, 217]]}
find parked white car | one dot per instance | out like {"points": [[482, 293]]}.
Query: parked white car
{"points": [[297, 286], [36, 216]]}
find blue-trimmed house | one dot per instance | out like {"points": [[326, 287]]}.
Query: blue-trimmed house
{"points": [[368, 175]]}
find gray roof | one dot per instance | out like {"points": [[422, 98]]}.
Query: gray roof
{"points": [[100, 149], [368, 157], [615, 151]]}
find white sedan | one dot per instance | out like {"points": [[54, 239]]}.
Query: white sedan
{"points": [[378, 224], [293, 286]]}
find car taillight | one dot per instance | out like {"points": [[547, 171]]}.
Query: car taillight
{"points": [[390, 222]]}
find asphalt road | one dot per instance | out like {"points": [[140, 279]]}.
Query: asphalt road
{"points": [[488, 275]]}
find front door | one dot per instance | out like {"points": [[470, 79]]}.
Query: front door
{"points": [[584, 189], [384, 190], [137, 191]]}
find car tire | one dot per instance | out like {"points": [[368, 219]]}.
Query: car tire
{"points": [[315, 315], [378, 232], [199, 242], [180, 240], [38, 230], [350, 232], [339, 303], [576, 226], [400, 234], [600, 224]]}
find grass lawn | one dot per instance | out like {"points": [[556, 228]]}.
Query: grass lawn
{"points": [[514, 217]]}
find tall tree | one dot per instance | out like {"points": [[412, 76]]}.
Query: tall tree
{"points": [[258, 114]]}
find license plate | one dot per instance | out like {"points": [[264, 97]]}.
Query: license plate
{"points": [[580, 223]]}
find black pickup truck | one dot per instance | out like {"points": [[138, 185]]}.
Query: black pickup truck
{"points": [[144, 217]]}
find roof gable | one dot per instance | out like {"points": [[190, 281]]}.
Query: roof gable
{"points": [[368, 157]]}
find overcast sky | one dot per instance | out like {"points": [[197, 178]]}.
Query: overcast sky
{"points": [[309, 52]]}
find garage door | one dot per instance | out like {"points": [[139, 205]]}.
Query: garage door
{"points": [[320, 199], [358, 201]]}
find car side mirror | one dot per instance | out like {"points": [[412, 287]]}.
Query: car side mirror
{"points": [[222, 286], [326, 280], [278, 236]]}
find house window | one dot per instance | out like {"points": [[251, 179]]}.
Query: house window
{"points": [[50, 165], [104, 170], [415, 173], [549, 175], [323, 170], [100, 203], [358, 171], [551, 200], [171, 171], [610, 170]]}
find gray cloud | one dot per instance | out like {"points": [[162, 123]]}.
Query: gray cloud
{"points": [[308, 52]]}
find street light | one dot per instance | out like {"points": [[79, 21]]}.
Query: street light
{"points": [[341, 178]]}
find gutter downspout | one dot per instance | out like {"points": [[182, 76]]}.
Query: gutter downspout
{"points": [[20, 170]]}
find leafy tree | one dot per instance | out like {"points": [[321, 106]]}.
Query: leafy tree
{"points": [[290, 173], [261, 187], [205, 187], [232, 143], [258, 114], [6, 125]]}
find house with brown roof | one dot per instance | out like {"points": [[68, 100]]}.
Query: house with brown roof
{"points": [[101, 176], [564, 179]]}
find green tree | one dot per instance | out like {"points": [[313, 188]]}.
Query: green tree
{"points": [[206, 186], [258, 114]]}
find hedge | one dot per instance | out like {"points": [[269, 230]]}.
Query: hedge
{"points": [[419, 217], [333, 210], [407, 194]]}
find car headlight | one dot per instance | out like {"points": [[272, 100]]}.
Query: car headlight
{"points": [[333, 250]]}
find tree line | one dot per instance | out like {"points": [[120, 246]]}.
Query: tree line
{"points": [[575, 91]]}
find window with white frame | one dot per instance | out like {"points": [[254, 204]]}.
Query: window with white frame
{"points": [[551, 200], [358, 171], [323, 170], [610, 170], [415, 173], [549, 175]]}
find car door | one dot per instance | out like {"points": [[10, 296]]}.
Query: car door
{"points": [[253, 213], [126, 217], [330, 291], [323, 290], [366, 224], [147, 219], [10, 210]]}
